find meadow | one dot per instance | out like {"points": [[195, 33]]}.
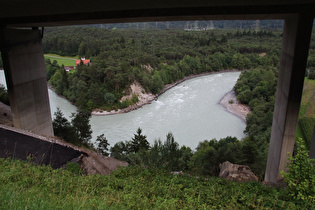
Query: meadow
{"points": [[62, 60]]}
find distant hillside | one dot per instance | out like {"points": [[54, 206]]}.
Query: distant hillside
{"points": [[199, 25]]}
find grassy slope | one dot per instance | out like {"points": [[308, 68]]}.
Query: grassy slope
{"points": [[62, 60], [25, 186], [307, 108], [308, 99]]}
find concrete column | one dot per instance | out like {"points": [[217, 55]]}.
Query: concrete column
{"points": [[24, 67], [295, 46]]}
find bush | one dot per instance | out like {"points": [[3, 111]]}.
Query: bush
{"points": [[300, 177]]}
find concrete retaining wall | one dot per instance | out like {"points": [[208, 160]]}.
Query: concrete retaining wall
{"points": [[20, 146]]}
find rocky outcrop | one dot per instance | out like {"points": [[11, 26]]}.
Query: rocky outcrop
{"points": [[234, 172], [95, 163]]}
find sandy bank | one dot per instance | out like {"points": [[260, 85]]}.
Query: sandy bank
{"points": [[147, 98], [236, 108]]}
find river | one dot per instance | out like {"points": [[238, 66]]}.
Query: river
{"points": [[190, 111]]}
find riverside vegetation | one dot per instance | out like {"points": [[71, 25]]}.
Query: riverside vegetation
{"points": [[154, 59]]}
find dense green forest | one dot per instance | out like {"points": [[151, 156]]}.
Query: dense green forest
{"points": [[151, 57], [158, 57]]}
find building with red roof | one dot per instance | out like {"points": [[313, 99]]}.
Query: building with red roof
{"points": [[83, 60]]}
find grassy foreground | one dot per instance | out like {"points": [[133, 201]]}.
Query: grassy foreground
{"points": [[26, 186], [62, 60]]}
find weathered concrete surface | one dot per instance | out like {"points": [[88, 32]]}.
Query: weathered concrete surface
{"points": [[24, 13], [17, 145], [24, 67], [296, 39], [20, 144]]}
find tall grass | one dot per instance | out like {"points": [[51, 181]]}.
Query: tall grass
{"points": [[26, 186]]}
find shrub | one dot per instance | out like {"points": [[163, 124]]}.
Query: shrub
{"points": [[300, 177]]}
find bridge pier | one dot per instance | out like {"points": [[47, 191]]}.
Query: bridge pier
{"points": [[24, 67], [296, 39]]}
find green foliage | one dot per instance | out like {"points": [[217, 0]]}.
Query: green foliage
{"points": [[166, 155], [63, 128], [24, 185], [209, 155], [81, 123], [307, 126], [153, 58], [62, 60], [77, 132], [139, 142], [102, 145], [300, 178], [4, 96], [74, 168], [257, 88]]}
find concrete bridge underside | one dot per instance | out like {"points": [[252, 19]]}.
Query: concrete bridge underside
{"points": [[25, 71]]}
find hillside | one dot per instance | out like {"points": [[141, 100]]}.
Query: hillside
{"points": [[26, 186]]}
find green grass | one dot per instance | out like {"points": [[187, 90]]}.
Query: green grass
{"points": [[26, 186], [307, 110], [62, 60], [308, 99], [299, 133]]}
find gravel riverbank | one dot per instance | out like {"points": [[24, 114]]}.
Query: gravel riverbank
{"points": [[230, 103]]}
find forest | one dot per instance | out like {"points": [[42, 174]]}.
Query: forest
{"points": [[155, 58]]}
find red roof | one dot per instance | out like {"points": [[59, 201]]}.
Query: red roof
{"points": [[85, 61]]}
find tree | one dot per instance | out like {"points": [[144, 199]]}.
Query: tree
{"points": [[157, 83], [300, 177], [102, 146], [171, 152], [139, 142], [81, 124], [63, 128], [119, 151]]}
